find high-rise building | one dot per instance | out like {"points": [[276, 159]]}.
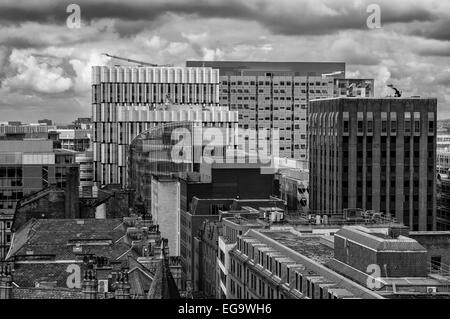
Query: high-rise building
{"points": [[152, 151], [275, 95], [125, 102], [375, 154]]}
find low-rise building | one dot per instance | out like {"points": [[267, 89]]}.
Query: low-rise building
{"points": [[88, 258], [368, 262]]}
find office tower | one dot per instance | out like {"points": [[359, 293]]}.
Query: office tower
{"points": [[154, 152], [124, 100], [275, 95], [375, 154]]}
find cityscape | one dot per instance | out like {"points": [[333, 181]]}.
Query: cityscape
{"points": [[143, 156]]}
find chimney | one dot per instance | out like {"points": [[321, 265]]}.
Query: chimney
{"points": [[5, 281], [123, 287], [90, 285]]}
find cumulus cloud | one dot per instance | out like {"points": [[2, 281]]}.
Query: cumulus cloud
{"points": [[35, 75]]}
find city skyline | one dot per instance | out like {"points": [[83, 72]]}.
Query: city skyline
{"points": [[215, 149], [45, 65]]}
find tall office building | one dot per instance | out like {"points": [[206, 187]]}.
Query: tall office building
{"points": [[375, 154], [275, 95], [124, 103]]}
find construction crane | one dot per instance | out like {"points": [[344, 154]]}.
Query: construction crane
{"points": [[141, 63], [397, 92]]}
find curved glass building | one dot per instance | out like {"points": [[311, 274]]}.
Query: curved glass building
{"points": [[173, 147], [150, 154]]}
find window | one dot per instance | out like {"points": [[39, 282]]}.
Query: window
{"points": [[393, 122], [370, 122], [430, 122], [407, 122], [416, 122], [383, 122], [346, 118]]}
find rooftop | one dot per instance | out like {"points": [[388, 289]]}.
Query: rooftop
{"points": [[378, 241], [310, 246], [64, 239]]}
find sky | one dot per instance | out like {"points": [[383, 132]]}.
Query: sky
{"points": [[45, 66]]}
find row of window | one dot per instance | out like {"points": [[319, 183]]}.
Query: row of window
{"points": [[268, 83]]}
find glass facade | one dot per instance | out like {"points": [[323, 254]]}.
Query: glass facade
{"points": [[170, 148]]}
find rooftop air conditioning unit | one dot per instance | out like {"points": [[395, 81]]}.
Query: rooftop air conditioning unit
{"points": [[431, 290]]}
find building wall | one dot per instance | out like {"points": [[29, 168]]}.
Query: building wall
{"points": [[443, 203], [392, 264], [86, 162], [437, 245], [165, 211], [189, 227], [375, 154]]}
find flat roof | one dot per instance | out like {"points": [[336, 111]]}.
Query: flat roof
{"points": [[243, 221], [308, 245]]}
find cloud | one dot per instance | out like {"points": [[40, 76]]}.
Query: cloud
{"points": [[35, 75], [45, 66], [287, 17]]}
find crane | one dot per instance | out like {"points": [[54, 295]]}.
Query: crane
{"points": [[397, 92], [135, 61]]}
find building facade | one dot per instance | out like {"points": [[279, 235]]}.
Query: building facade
{"points": [[443, 203], [74, 139], [124, 102], [165, 209], [29, 166], [287, 263], [375, 154], [86, 161], [177, 146], [275, 95]]}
